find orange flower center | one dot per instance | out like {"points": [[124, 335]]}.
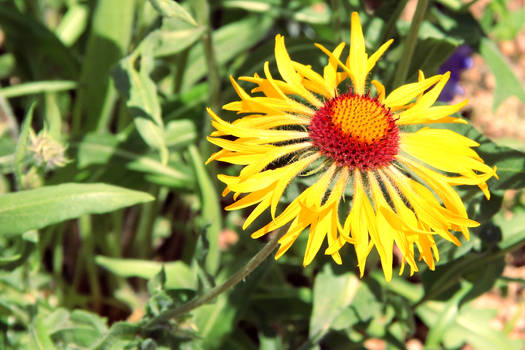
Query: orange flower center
{"points": [[361, 118], [355, 131]]}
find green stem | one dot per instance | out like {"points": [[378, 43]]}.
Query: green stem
{"points": [[182, 60], [409, 44], [388, 29], [336, 20], [214, 292], [202, 10]]}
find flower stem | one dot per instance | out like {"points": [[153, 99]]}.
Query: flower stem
{"points": [[214, 292], [409, 44], [202, 10], [388, 29], [336, 19]]}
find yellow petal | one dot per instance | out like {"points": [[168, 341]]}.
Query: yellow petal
{"points": [[269, 136], [406, 93], [287, 71], [292, 171], [271, 121], [357, 60], [330, 70], [429, 146], [258, 210], [377, 55], [250, 199], [289, 214], [380, 90], [336, 59], [437, 114]]}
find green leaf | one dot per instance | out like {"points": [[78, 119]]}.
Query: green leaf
{"points": [[143, 103], [7, 65], [412, 292], [363, 308], [117, 336], [37, 87], [445, 280], [73, 24], [26, 244], [40, 338], [180, 133], [512, 229], [229, 41], [471, 326], [35, 209], [452, 4], [332, 293], [139, 89], [509, 27], [430, 53], [76, 328], [178, 274], [21, 145], [112, 23], [101, 149], [270, 343], [446, 318], [318, 13], [507, 83], [253, 5], [168, 42], [153, 135], [210, 210], [35, 46], [170, 8], [215, 322]]}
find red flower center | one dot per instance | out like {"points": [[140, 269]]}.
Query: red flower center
{"points": [[355, 131]]}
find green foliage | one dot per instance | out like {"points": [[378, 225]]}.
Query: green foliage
{"points": [[117, 219], [507, 84]]}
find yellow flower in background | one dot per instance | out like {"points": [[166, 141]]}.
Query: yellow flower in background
{"points": [[401, 182]]}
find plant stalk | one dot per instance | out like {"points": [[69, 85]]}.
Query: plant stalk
{"points": [[409, 44], [214, 292], [336, 20], [388, 29], [202, 10]]}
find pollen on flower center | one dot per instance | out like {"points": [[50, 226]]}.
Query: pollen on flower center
{"points": [[360, 117], [356, 131]]}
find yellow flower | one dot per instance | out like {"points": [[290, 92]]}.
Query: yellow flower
{"points": [[401, 182]]}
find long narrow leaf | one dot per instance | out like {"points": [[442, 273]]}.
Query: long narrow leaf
{"points": [[34, 209]]}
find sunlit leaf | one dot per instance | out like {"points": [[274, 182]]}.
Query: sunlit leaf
{"points": [[178, 274], [507, 83], [471, 326], [108, 41], [229, 41], [34, 209], [332, 294], [170, 8], [211, 210]]}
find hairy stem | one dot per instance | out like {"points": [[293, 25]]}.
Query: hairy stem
{"points": [[214, 292]]}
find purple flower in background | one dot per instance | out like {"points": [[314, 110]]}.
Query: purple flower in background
{"points": [[456, 64]]}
